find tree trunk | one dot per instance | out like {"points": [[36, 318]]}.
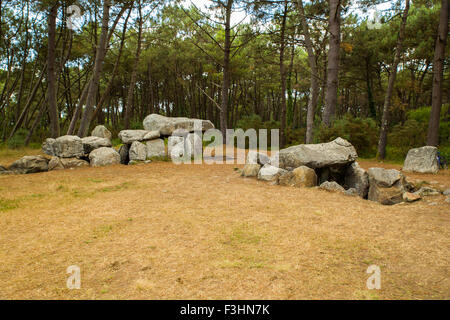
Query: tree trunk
{"points": [[226, 70], [438, 69], [51, 77], [93, 86], [333, 61], [314, 88], [283, 77], [129, 102], [387, 99]]}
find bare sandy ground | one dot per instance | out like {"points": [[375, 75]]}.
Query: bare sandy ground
{"points": [[166, 231]]}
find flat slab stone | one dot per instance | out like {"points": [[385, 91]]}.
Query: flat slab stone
{"points": [[336, 152], [167, 125]]}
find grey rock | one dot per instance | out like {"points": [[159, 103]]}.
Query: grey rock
{"points": [[299, 177], [357, 178], [156, 148], [47, 146], [336, 152], [55, 164], [352, 192], [138, 151], [130, 136], [270, 173], [385, 177], [103, 157], [175, 147], [93, 142], [446, 192], [427, 191], [257, 157], [101, 132], [30, 164], [167, 125], [68, 147], [124, 153], [332, 186], [151, 135], [423, 160], [386, 186], [193, 145], [250, 170]]}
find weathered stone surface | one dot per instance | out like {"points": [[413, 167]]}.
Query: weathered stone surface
{"points": [[47, 146], [101, 132], [166, 125], [427, 191], [352, 192], [386, 186], [446, 192], [138, 151], [134, 162], [129, 136], [103, 157], [257, 157], [151, 135], [68, 147], [423, 160], [385, 177], [270, 173], [4, 171], [156, 148], [55, 164], [334, 153], [124, 151], [357, 178], [93, 142], [175, 147], [411, 197], [193, 145], [251, 170], [30, 164], [332, 186], [299, 177]]}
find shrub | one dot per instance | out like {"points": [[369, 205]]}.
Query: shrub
{"points": [[18, 140], [362, 133]]}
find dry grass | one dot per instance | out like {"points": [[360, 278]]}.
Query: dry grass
{"points": [[165, 231]]}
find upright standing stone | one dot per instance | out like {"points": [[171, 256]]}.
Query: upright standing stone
{"points": [[138, 151], [101, 132], [156, 148], [422, 160], [103, 157]]}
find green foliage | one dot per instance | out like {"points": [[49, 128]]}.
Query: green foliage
{"points": [[18, 140], [255, 122], [362, 133], [412, 133]]}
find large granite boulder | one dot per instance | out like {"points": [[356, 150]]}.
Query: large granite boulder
{"points": [[386, 186], [101, 132], [357, 178], [338, 152], [423, 160], [193, 145], [138, 151], [64, 147], [255, 157], [299, 177], [68, 147], [156, 148], [167, 125], [56, 163], [251, 170], [48, 146], [103, 157], [93, 142], [270, 173], [175, 147], [130, 136], [29, 164]]}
